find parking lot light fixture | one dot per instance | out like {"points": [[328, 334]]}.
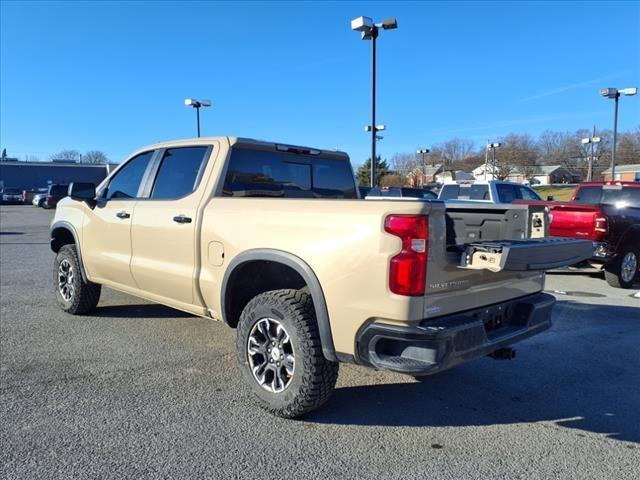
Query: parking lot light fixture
{"points": [[369, 31], [590, 140], [492, 147], [423, 152], [197, 104], [614, 93]]}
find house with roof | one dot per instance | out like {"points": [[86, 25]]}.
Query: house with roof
{"points": [[479, 174], [549, 174], [421, 176], [624, 173]]}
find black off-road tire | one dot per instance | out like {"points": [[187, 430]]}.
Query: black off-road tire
{"points": [[613, 271], [314, 376], [85, 295]]}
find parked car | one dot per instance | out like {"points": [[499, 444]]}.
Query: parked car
{"points": [[272, 240], [39, 198], [55, 193], [493, 191], [27, 195], [608, 214], [11, 196], [404, 192]]}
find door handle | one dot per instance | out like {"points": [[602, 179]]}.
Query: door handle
{"points": [[182, 219], [122, 214]]}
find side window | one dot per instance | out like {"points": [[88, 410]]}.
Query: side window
{"points": [[126, 182], [179, 172]]}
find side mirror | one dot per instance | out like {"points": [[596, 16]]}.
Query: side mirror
{"points": [[550, 198], [83, 192]]}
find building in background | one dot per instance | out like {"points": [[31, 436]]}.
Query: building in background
{"points": [[625, 173], [550, 174], [33, 175], [421, 176]]}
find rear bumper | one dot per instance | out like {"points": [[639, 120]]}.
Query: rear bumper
{"points": [[438, 344]]}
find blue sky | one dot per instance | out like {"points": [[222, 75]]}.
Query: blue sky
{"points": [[113, 76]]}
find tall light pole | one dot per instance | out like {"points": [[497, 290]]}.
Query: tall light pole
{"points": [[197, 104], [423, 152], [370, 31], [592, 140], [615, 94], [492, 147]]}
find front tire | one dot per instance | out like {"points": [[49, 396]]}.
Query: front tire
{"points": [[280, 355], [73, 294], [624, 269]]}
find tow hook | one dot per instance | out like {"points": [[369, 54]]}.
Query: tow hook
{"points": [[504, 354]]}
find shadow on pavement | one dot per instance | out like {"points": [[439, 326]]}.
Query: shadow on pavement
{"points": [[581, 374], [143, 310]]}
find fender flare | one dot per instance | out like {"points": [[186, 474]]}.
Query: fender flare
{"points": [[307, 274], [63, 224]]}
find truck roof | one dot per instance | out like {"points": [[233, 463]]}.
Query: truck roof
{"points": [[232, 141]]}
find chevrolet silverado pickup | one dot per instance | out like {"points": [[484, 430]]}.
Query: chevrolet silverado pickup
{"points": [[608, 214], [274, 240]]}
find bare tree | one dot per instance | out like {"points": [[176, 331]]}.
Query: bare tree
{"points": [[95, 156], [628, 149], [455, 150], [404, 163], [67, 155], [517, 153]]}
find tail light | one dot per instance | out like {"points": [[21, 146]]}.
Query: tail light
{"points": [[49, 197], [407, 269], [600, 224]]}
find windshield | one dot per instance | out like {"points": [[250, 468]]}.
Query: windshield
{"points": [[12, 191]]}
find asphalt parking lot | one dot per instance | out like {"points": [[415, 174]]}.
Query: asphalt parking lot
{"points": [[143, 391]]}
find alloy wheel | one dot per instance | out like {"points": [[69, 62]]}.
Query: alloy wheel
{"points": [[65, 280], [270, 355]]}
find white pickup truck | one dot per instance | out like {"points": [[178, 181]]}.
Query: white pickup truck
{"points": [[274, 241]]}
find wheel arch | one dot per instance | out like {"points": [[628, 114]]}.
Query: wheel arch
{"points": [[64, 233], [286, 260]]}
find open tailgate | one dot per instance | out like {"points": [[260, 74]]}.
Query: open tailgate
{"points": [[524, 255]]}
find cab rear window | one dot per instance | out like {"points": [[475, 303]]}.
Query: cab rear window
{"points": [[260, 173]]}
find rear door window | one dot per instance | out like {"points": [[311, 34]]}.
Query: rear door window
{"points": [[179, 172]]}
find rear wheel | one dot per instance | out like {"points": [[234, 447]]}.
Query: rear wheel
{"points": [[74, 295], [280, 355], [624, 269]]}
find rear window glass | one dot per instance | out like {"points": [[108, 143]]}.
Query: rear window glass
{"points": [[465, 192], [589, 194], [259, 173]]}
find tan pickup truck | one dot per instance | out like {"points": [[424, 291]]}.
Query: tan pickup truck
{"points": [[273, 240]]}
